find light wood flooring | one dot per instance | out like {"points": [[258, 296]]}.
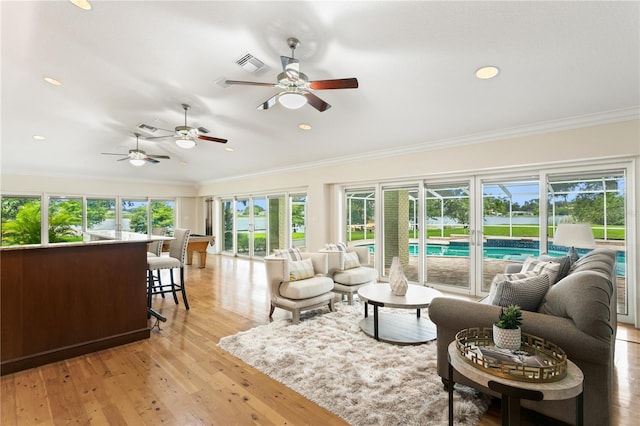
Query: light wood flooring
{"points": [[180, 377]]}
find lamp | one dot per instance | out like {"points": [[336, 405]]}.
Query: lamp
{"points": [[185, 142], [137, 162], [574, 235], [292, 100]]}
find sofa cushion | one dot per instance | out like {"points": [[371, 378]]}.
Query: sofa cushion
{"points": [[291, 253], [584, 297], [300, 269], [600, 260], [526, 292], [305, 289], [542, 267], [351, 260]]}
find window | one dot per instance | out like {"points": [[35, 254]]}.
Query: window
{"points": [[163, 215], [65, 219], [298, 220], [134, 215], [20, 220], [227, 226], [101, 214]]}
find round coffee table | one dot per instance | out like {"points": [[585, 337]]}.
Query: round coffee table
{"points": [[397, 328]]}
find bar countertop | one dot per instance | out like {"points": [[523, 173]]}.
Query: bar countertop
{"points": [[91, 238]]}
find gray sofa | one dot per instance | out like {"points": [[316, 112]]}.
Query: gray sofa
{"points": [[578, 313]]}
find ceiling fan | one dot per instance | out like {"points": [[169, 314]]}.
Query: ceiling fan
{"points": [[138, 157], [186, 136], [296, 85]]}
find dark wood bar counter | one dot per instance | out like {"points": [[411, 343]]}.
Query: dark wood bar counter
{"points": [[61, 301]]}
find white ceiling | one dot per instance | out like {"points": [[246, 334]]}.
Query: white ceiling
{"points": [[123, 63]]}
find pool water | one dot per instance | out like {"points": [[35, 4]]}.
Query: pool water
{"points": [[518, 254]]}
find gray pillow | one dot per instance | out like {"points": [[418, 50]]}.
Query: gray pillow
{"points": [[565, 265], [526, 293]]}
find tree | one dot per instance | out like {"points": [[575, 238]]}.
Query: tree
{"points": [[25, 227]]}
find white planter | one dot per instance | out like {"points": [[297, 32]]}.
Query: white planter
{"points": [[507, 338]]}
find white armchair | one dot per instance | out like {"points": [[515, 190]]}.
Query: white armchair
{"points": [[300, 294], [348, 276]]}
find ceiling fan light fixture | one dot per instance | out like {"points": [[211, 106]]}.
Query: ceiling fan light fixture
{"points": [[292, 100], [136, 162], [185, 143]]}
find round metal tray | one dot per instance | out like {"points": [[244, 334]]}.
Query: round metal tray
{"points": [[537, 360]]}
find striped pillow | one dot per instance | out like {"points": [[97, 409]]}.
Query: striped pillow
{"points": [[351, 260], [526, 293], [507, 277], [336, 247], [300, 270], [291, 254], [542, 267]]}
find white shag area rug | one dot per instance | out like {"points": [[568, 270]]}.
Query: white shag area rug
{"points": [[329, 360]]}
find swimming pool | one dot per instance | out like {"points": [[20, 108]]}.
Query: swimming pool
{"points": [[502, 251]]}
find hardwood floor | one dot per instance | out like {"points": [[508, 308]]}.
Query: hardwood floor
{"points": [[180, 377]]}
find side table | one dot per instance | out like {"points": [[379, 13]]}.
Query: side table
{"points": [[513, 391]]}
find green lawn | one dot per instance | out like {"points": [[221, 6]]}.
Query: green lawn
{"points": [[523, 231]]}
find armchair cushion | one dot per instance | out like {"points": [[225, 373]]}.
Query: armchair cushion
{"points": [[301, 269], [307, 288]]}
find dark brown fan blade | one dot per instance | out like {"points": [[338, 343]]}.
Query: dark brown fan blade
{"points": [[212, 139], [268, 103], [148, 159], [342, 83], [316, 102], [161, 157], [123, 159], [250, 83], [111, 153]]}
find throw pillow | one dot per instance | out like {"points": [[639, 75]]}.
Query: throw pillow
{"points": [[300, 270], [336, 247], [542, 267], [507, 277], [526, 293], [351, 260], [565, 265], [291, 254]]}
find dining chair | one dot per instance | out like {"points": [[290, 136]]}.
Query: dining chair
{"points": [[175, 260]]}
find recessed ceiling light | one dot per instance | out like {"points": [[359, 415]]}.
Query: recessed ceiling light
{"points": [[183, 163], [228, 149], [82, 4], [39, 137], [304, 126], [488, 72], [52, 81]]}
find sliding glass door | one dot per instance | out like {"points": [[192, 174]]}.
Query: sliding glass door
{"points": [[447, 255], [598, 199], [510, 225]]}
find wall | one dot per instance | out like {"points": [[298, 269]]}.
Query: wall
{"points": [[606, 141], [602, 142]]}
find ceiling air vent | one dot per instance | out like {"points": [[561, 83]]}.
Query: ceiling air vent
{"points": [[250, 63], [146, 128]]}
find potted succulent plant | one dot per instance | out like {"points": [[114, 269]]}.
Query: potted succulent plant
{"points": [[506, 331]]}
